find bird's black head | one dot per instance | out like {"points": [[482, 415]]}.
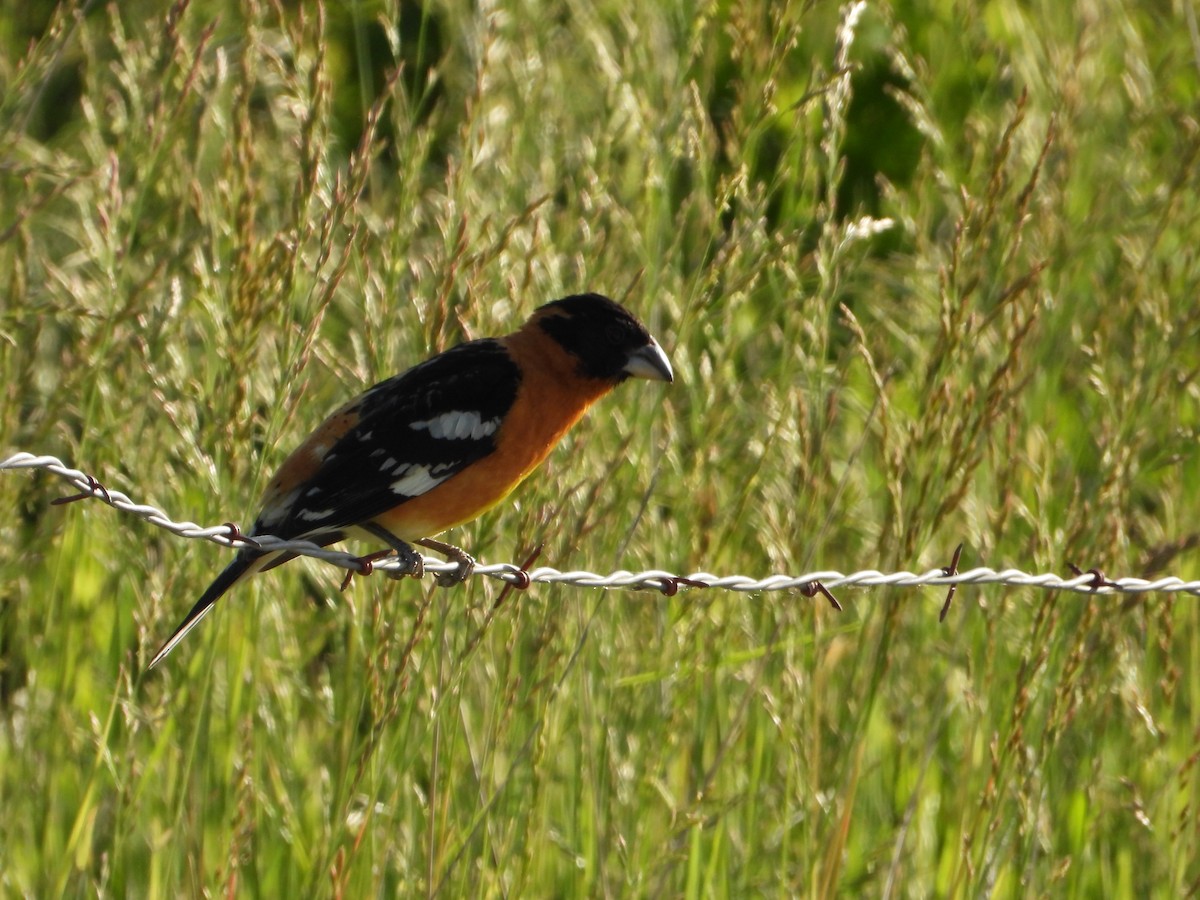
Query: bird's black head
{"points": [[608, 341]]}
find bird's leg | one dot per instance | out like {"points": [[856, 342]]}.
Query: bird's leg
{"points": [[465, 561], [411, 562]]}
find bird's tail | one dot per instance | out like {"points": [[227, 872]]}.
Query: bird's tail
{"points": [[244, 565]]}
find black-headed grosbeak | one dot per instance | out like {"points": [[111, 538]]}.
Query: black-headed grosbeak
{"points": [[444, 442]]}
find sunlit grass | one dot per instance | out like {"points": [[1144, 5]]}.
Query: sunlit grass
{"points": [[924, 278]]}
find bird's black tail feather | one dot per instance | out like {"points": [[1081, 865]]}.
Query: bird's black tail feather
{"points": [[246, 563]]}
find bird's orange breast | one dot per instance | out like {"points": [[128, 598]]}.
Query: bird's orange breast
{"points": [[551, 398]]}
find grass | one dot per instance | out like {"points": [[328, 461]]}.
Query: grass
{"points": [[926, 276]]}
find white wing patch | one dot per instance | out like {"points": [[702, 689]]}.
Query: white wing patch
{"points": [[273, 513], [416, 480], [457, 425]]}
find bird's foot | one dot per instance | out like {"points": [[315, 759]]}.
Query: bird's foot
{"points": [[411, 562], [464, 560]]}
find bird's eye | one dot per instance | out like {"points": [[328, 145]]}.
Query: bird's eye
{"points": [[614, 334]]}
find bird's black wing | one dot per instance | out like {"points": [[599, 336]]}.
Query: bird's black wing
{"points": [[399, 440]]}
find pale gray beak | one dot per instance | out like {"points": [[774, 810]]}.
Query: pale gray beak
{"points": [[649, 362]]}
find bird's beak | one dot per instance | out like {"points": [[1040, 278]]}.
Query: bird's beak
{"points": [[649, 362]]}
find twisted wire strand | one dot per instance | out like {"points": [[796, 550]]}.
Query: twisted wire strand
{"points": [[229, 535]]}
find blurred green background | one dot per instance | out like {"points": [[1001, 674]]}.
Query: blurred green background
{"points": [[927, 273]]}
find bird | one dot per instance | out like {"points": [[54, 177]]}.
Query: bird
{"points": [[443, 442]]}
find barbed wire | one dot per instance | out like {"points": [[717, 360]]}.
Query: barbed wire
{"points": [[228, 534]]}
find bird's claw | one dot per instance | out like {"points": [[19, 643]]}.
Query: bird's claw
{"points": [[465, 562], [412, 564], [464, 567]]}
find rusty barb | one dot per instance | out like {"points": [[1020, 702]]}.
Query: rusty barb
{"points": [[235, 536], [520, 580], [1097, 581], [91, 488], [815, 587], [950, 571], [670, 584]]}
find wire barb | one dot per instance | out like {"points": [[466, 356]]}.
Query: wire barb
{"points": [[1097, 580], [1092, 581], [92, 488], [235, 536], [520, 578], [949, 570], [669, 585], [366, 565], [815, 587]]}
